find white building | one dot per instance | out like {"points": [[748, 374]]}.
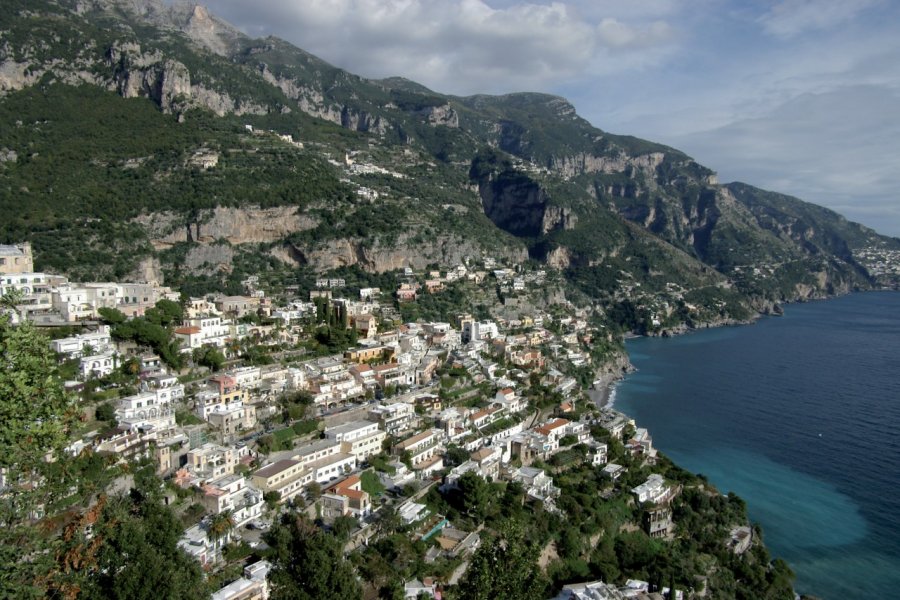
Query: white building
{"points": [[233, 493], [97, 365], [202, 331], [152, 409], [36, 289], [359, 438], [393, 418], [252, 586], [80, 302], [654, 490], [473, 331], [98, 341]]}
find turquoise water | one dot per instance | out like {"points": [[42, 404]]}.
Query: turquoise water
{"points": [[799, 415]]}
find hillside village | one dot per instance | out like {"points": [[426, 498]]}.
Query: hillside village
{"points": [[329, 406], [271, 329]]}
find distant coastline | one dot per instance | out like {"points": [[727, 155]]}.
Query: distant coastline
{"points": [[819, 553]]}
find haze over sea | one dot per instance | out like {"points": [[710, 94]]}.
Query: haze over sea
{"points": [[800, 416]]}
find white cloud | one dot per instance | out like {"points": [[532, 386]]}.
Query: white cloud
{"points": [[838, 149], [789, 18], [753, 90], [615, 34], [461, 46]]}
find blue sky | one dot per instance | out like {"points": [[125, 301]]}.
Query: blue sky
{"points": [[796, 96]]}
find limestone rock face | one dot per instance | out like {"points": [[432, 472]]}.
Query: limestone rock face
{"points": [[517, 207], [362, 121], [578, 164], [206, 31], [556, 217], [234, 225], [222, 103], [149, 75], [400, 254], [15, 76], [559, 258], [440, 115], [209, 259], [149, 270]]}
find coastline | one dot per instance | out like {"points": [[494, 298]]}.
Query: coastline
{"points": [[603, 392], [802, 582]]}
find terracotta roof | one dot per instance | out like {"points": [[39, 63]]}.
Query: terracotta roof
{"points": [[549, 427], [346, 485], [481, 413], [482, 454], [187, 330], [212, 491]]}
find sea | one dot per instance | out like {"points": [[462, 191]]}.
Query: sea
{"points": [[800, 416]]}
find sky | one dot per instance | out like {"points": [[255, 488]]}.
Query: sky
{"points": [[796, 96]]}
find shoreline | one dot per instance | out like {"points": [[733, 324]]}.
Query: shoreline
{"points": [[604, 388], [604, 394]]}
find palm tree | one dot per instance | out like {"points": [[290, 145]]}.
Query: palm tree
{"points": [[220, 525], [10, 301]]}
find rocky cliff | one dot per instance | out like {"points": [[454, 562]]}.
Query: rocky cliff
{"points": [[618, 217], [401, 253], [247, 225]]}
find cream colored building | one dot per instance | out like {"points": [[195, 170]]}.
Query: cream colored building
{"points": [[16, 258], [287, 477], [359, 438]]}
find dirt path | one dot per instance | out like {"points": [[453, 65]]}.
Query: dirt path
{"points": [[548, 555]]}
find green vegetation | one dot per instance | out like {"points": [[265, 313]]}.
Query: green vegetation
{"points": [[137, 556], [87, 543], [371, 484], [154, 329], [308, 563], [78, 213], [519, 576], [93, 172]]}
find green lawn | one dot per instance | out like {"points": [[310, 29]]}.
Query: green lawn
{"points": [[371, 484], [283, 435]]}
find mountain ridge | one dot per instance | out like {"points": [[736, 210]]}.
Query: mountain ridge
{"points": [[520, 175]]}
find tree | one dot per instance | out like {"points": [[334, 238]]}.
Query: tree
{"points": [[126, 547], [220, 525], [387, 520], [474, 495], [314, 490], [34, 409], [111, 316], [455, 456], [272, 499], [308, 563], [10, 301], [504, 567], [165, 313], [343, 526], [209, 356], [35, 413], [106, 412]]}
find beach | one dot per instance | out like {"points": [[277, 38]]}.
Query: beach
{"points": [[603, 392]]}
